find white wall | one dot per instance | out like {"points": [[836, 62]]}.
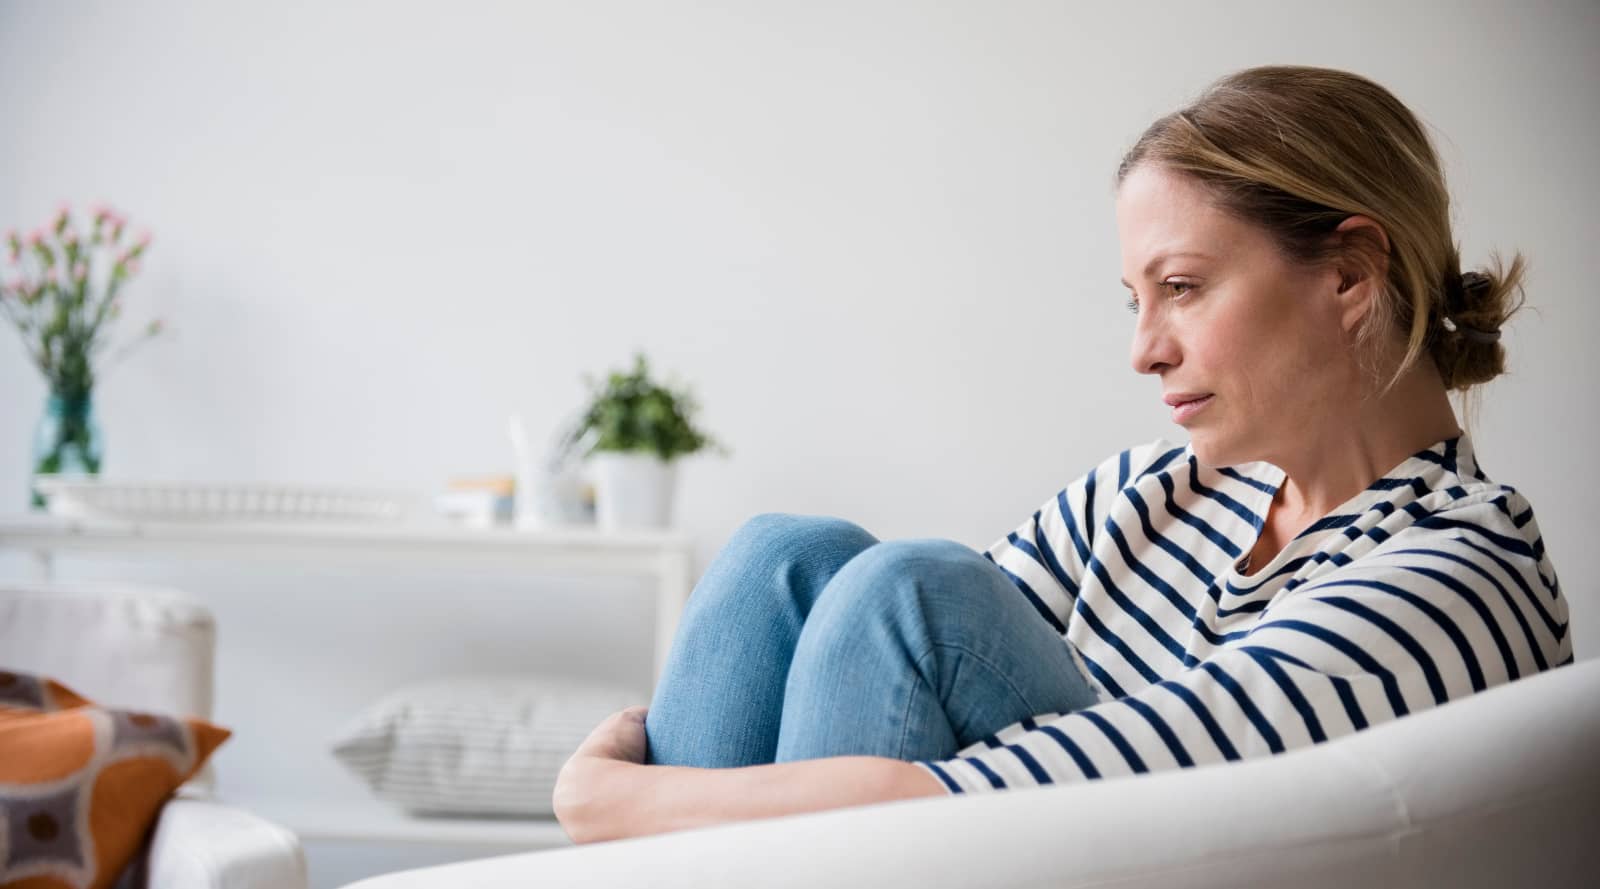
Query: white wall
{"points": [[877, 238]]}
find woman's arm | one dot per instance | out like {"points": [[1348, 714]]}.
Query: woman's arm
{"points": [[611, 799]]}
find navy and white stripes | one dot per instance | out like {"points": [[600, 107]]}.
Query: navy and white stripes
{"points": [[1431, 584]]}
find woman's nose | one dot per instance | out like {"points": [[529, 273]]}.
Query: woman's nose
{"points": [[1154, 349]]}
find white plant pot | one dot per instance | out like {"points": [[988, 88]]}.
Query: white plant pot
{"points": [[632, 490]]}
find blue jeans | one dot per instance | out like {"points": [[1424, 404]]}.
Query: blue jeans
{"points": [[807, 638]]}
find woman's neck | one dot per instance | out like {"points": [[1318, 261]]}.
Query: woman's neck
{"points": [[1354, 450]]}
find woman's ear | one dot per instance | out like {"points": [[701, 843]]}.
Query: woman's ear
{"points": [[1364, 269]]}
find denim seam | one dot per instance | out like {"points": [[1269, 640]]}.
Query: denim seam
{"points": [[905, 717]]}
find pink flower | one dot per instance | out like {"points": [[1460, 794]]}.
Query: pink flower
{"points": [[36, 237], [156, 327], [99, 211], [50, 277], [133, 267], [143, 239]]}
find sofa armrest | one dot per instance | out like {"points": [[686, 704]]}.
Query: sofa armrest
{"points": [[204, 844]]}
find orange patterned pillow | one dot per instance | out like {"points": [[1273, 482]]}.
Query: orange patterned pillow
{"points": [[81, 785]]}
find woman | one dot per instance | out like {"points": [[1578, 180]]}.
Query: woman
{"points": [[1323, 554]]}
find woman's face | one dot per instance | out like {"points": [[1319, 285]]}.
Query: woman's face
{"points": [[1224, 318]]}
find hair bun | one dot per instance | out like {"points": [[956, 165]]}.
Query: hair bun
{"points": [[1468, 294], [1475, 286], [1468, 300]]}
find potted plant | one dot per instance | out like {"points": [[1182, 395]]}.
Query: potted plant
{"points": [[632, 433], [60, 288]]}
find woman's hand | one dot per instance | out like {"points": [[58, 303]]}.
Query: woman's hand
{"points": [[619, 736], [589, 793], [606, 792]]}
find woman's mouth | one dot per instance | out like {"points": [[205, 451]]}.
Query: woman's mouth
{"points": [[1183, 410]]}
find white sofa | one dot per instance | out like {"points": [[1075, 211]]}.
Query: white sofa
{"points": [[1498, 790], [151, 649]]}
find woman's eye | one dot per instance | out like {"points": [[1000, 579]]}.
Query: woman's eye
{"points": [[1133, 301]]}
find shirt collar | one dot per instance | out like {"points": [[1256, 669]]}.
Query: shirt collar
{"points": [[1446, 462]]}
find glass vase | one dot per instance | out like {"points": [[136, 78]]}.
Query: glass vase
{"points": [[67, 439]]}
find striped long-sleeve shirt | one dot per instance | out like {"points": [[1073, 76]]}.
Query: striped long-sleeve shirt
{"points": [[1431, 584]]}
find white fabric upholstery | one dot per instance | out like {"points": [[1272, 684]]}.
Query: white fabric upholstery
{"points": [[200, 844], [1499, 789], [163, 640]]}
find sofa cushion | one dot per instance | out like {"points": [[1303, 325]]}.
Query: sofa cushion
{"points": [[476, 745], [81, 784]]}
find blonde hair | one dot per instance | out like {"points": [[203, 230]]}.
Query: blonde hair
{"points": [[1296, 150]]}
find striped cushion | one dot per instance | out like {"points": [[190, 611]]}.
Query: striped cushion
{"points": [[476, 745]]}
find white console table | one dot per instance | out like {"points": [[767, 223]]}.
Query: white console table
{"points": [[665, 557]]}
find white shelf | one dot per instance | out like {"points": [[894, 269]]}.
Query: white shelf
{"points": [[664, 556], [428, 538], [377, 822]]}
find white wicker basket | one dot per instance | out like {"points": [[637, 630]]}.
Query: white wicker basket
{"points": [[78, 497]]}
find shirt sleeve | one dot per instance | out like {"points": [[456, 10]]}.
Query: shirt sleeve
{"points": [[1047, 554], [1458, 601]]}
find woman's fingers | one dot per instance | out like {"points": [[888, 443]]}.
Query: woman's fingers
{"points": [[618, 736]]}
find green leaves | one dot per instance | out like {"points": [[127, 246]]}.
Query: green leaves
{"points": [[631, 412]]}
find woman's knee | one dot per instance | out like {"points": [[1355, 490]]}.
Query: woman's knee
{"points": [[792, 535], [790, 555], [918, 573], [911, 558]]}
